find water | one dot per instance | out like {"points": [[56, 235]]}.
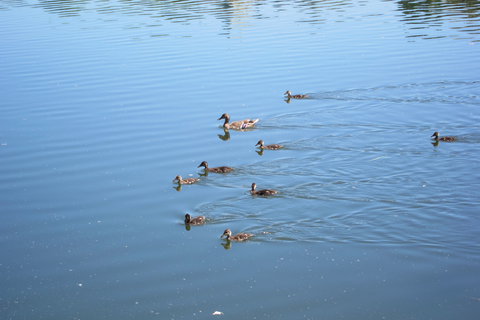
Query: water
{"points": [[105, 102]]}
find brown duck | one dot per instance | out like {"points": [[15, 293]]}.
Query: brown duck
{"points": [[194, 221], [238, 237], [179, 180], [289, 95], [216, 169], [237, 125], [262, 146], [436, 137], [263, 192]]}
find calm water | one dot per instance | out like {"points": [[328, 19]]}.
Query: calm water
{"points": [[105, 102]]}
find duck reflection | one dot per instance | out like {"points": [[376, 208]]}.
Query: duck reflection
{"points": [[227, 245], [259, 152], [225, 136]]}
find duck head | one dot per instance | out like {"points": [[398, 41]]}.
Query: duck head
{"points": [[203, 164], [435, 135], [288, 93], [260, 143], [225, 116], [187, 218], [227, 233], [177, 178], [254, 186]]}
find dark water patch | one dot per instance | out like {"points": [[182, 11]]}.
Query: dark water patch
{"points": [[433, 16]]}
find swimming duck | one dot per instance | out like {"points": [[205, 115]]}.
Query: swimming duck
{"points": [[238, 125], [262, 146], [194, 221], [263, 192], [238, 237], [436, 137], [216, 169], [289, 95], [185, 181]]}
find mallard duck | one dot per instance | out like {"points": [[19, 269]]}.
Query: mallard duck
{"points": [[238, 125], [289, 95], [238, 237], [436, 137], [262, 146], [216, 169], [263, 192], [194, 221], [185, 181]]}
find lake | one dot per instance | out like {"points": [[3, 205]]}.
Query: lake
{"points": [[105, 102]]}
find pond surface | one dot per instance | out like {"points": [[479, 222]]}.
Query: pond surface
{"points": [[105, 102]]}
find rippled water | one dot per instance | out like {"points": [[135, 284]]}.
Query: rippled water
{"points": [[105, 102]]}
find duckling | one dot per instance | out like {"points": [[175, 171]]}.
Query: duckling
{"points": [[436, 137], [185, 181], [238, 237], [289, 95], [263, 192], [194, 221], [216, 169], [262, 146], [238, 125]]}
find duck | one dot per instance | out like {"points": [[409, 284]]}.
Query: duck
{"points": [[222, 169], [436, 137], [238, 125], [263, 192], [194, 221], [238, 237], [262, 146], [289, 95], [180, 180]]}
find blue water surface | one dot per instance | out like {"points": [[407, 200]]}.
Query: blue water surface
{"points": [[105, 102]]}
